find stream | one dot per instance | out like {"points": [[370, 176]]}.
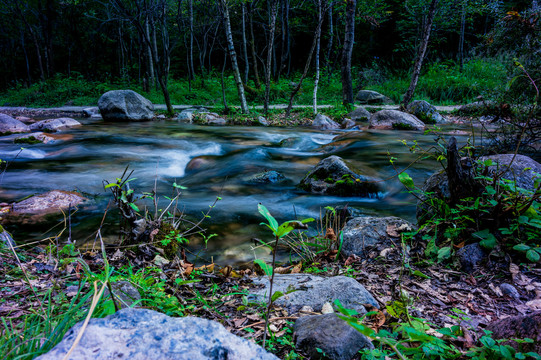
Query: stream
{"points": [[210, 162]]}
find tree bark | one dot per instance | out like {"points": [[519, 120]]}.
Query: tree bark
{"points": [[244, 44], [462, 34], [150, 65], [190, 52], [420, 54], [318, 40], [349, 39], [233, 56], [286, 42], [252, 47], [270, 46]]}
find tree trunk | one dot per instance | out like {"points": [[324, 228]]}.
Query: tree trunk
{"points": [[331, 36], [150, 65], [244, 44], [318, 40], [286, 41], [223, 84], [349, 38], [420, 54], [462, 34], [270, 46], [26, 59], [233, 55], [252, 46], [190, 52]]}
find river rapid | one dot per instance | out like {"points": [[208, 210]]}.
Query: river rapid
{"points": [[210, 162]]}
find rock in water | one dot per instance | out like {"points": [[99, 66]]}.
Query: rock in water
{"points": [[141, 334], [425, 112], [9, 125], [125, 105], [53, 125], [334, 336], [333, 177], [323, 122], [394, 119], [314, 291], [266, 177], [372, 97]]}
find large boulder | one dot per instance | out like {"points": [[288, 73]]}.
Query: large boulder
{"points": [[140, 334], [359, 114], [523, 169], [53, 125], [314, 291], [425, 112], [372, 97], [332, 176], [323, 122], [125, 105], [480, 108], [394, 119], [519, 327], [332, 335], [9, 125], [364, 233]]}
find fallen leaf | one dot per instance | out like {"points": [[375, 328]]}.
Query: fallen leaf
{"points": [[496, 290], [392, 230], [297, 268], [534, 304], [282, 270], [330, 234]]}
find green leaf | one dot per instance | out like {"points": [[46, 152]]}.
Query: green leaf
{"points": [[111, 185], [264, 266], [175, 185], [444, 253], [532, 255], [420, 274], [406, 180], [272, 223], [277, 295], [488, 241], [522, 247], [505, 352], [134, 207]]}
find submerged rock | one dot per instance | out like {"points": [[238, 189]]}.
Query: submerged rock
{"points": [[333, 177], [267, 177], [394, 119], [425, 112], [314, 291], [141, 334], [372, 97], [53, 125], [125, 105], [323, 122], [34, 138], [332, 335], [9, 125]]}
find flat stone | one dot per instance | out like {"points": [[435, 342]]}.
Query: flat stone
{"points": [[53, 125], [314, 291], [334, 336], [395, 120], [49, 202], [141, 334], [9, 125], [89, 111], [363, 233], [126, 295]]}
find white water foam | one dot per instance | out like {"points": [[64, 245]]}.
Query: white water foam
{"points": [[176, 160]]}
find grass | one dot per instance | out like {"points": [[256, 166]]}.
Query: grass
{"points": [[442, 83]]}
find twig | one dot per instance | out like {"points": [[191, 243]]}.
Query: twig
{"points": [[273, 319]]}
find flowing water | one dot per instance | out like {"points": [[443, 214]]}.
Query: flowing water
{"points": [[210, 162]]}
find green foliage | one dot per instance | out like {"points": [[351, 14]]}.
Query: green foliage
{"points": [[31, 140]]}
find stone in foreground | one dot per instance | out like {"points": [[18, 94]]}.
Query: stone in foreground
{"points": [[9, 125], [141, 334], [363, 233], [48, 203], [395, 120], [314, 291], [334, 336], [323, 122], [332, 176], [125, 105], [519, 327], [53, 125]]}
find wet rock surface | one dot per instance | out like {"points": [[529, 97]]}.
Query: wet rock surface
{"points": [[9, 125], [141, 334], [395, 120], [323, 122], [53, 125], [359, 114], [267, 177], [125, 105], [425, 112]]}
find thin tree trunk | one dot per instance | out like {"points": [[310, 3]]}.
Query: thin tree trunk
{"points": [[318, 40], [462, 34], [252, 46], [286, 41], [26, 59], [331, 35], [190, 52], [150, 65], [270, 47], [244, 44], [233, 55], [349, 38], [226, 108], [155, 49], [420, 54]]}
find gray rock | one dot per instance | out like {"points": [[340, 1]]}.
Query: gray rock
{"points": [[347, 124], [334, 336], [362, 233], [125, 105], [267, 177], [359, 114], [425, 112], [5, 238], [49, 202], [314, 291], [9, 125], [510, 290], [470, 256], [333, 176], [141, 334], [323, 122], [394, 119], [214, 119], [289, 142], [479, 108], [372, 97], [53, 125], [262, 121], [89, 111], [523, 169], [186, 115], [37, 136], [519, 327], [126, 295]]}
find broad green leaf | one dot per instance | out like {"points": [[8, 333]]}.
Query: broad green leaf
{"points": [[420, 274], [444, 253], [532, 255], [521, 247], [277, 295], [406, 180], [264, 266], [111, 185], [273, 224]]}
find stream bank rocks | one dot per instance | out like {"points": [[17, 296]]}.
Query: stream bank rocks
{"points": [[140, 334], [314, 291], [54, 125], [425, 112], [334, 336], [323, 122], [395, 120], [372, 98], [34, 138], [359, 114], [9, 125], [125, 105], [364, 233], [332, 176]]}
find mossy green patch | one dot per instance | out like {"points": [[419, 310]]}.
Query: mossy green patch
{"points": [[28, 140]]}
